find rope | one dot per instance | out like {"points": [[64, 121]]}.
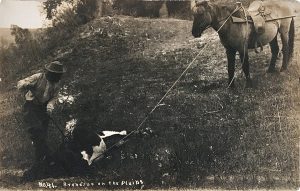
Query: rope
{"points": [[168, 91], [245, 44], [246, 38], [156, 106], [247, 26], [235, 10]]}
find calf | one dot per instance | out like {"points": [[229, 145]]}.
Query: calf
{"points": [[92, 146], [79, 150], [84, 147]]}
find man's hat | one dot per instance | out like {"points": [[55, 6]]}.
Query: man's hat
{"points": [[55, 67]]}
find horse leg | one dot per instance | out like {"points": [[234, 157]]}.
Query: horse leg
{"points": [[275, 50], [231, 66], [245, 61], [285, 50]]}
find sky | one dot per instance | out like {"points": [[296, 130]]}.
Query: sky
{"points": [[24, 13]]}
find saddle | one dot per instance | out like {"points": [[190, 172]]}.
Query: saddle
{"points": [[257, 14]]}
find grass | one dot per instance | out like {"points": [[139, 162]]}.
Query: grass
{"points": [[205, 135]]}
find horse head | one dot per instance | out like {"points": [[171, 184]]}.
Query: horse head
{"points": [[202, 17]]}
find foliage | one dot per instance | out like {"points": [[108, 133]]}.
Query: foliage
{"points": [[50, 7], [22, 36], [5, 56], [16, 57], [85, 10], [31, 47], [202, 131], [204, 134]]}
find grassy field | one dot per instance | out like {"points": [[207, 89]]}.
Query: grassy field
{"points": [[205, 135]]}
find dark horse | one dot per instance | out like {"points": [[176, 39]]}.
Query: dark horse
{"points": [[239, 37]]}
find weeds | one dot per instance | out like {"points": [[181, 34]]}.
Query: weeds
{"points": [[204, 134]]}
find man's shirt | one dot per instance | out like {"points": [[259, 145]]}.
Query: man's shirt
{"points": [[39, 89]]}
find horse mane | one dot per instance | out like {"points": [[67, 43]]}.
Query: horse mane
{"points": [[226, 9]]}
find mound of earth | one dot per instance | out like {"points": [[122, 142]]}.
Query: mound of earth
{"points": [[204, 134]]}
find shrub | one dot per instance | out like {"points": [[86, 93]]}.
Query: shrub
{"points": [[67, 11], [31, 48]]}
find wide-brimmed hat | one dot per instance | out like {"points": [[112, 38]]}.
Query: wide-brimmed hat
{"points": [[55, 67]]}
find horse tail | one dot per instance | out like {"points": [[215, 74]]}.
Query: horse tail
{"points": [[291, 39]]}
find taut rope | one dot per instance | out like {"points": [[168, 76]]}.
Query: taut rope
{"points": [[168, 91]]}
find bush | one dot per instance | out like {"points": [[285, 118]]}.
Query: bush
{"points": [[17, 57], [138, 8], [25, 43], [67, 11], [179, 9], [5, 56], [31, 48]]}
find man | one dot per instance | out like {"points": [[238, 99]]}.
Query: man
{"points": [[41, 94]]}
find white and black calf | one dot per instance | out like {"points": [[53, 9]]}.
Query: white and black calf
{"points": [[92, 146], [84, 147], [79, 150]]}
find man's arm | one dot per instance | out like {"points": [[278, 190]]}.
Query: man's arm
{"points": [[28, 82], [53, 100]]}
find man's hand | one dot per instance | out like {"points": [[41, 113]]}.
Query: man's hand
{"points": [[50, 108]]}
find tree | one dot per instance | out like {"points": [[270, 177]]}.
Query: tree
{"points": [[50, 7], [84, 9]]}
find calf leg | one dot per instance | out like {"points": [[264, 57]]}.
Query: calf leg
{"points": [[275, 50], [231, 66]]}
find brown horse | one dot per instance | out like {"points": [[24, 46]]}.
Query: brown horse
{"points": [[239, 37]]}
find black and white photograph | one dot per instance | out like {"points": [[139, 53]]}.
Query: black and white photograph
{"points": [[150, 95]]}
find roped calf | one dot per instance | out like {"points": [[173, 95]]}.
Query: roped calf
{"points": [[92, 146]]}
